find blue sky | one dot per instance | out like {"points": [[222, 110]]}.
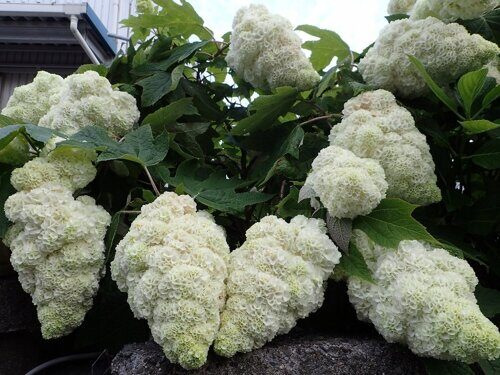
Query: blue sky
{"points": [[356, 21]]}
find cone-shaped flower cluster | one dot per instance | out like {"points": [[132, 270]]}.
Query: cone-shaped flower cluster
{"points": [[57, 241], [266, 52], [424, 297], [172, 264], [276, 277]]}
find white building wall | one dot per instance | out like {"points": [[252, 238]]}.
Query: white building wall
{"points": [[110, 12]]}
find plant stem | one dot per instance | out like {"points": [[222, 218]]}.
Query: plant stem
{"points": [[317, 119], [130, 212], [157, 192]]}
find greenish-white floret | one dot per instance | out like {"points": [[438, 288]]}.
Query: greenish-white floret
{"points": [[276, 277], [266, 52], [376, 127], [172, 264], [423, 297]]}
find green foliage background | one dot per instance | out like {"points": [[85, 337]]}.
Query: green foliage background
{"points": [[243, 156]]}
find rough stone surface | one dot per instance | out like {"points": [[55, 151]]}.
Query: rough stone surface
{"points": [[303, 355], [17, 313]]}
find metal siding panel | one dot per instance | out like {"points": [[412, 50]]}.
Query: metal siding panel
{"points": [[9, 81]]}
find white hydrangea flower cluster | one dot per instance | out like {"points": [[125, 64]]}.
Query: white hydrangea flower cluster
{"points": [[266, 52], [375, 126], [446, 50], [29, 103], [89, 99], [69, 104], [400, 6], [276, 277], [347, 185], [423, 297], [451, 10], [56, 241], [172, 264]]}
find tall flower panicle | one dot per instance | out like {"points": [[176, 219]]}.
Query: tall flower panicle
{"points": [[276, 277], [423, 297], [172, 264]]}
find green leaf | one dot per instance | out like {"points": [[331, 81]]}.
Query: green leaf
{"points": [[4, 121], [490, 367], [440, 367], [478, 126], [6, 190], [329, 45], [325, 81], [353, 264], [101, 69], [7, 134], [469, 86], [290, 146], [212, 188], [488, 301], [41, 134], [138, 146], [491, 96], [340, 231], [183, 20], [170, 114], [290, 205], [438, 91], [157, 86], [395, 17], [176, 55], [487, 25], [109, 241], [267, 109], [391, 222], [488, 156]]}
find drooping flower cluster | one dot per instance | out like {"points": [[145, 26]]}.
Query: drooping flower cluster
{"points": [[424, 297], [29, 103], [276, 277], [57, 241], [266, 52], [446, 50], [445, 10], [172, 264], [376, 127], [68, 105], [347, 185]]}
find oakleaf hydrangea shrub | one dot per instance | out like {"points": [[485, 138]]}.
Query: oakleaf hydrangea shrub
{"points": [[276, 277], [446, 50], [29, 103], [56, 240], [266, 52], [172, 264], [347, 185], [376, 127], [70, 104], [424, 297]]}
